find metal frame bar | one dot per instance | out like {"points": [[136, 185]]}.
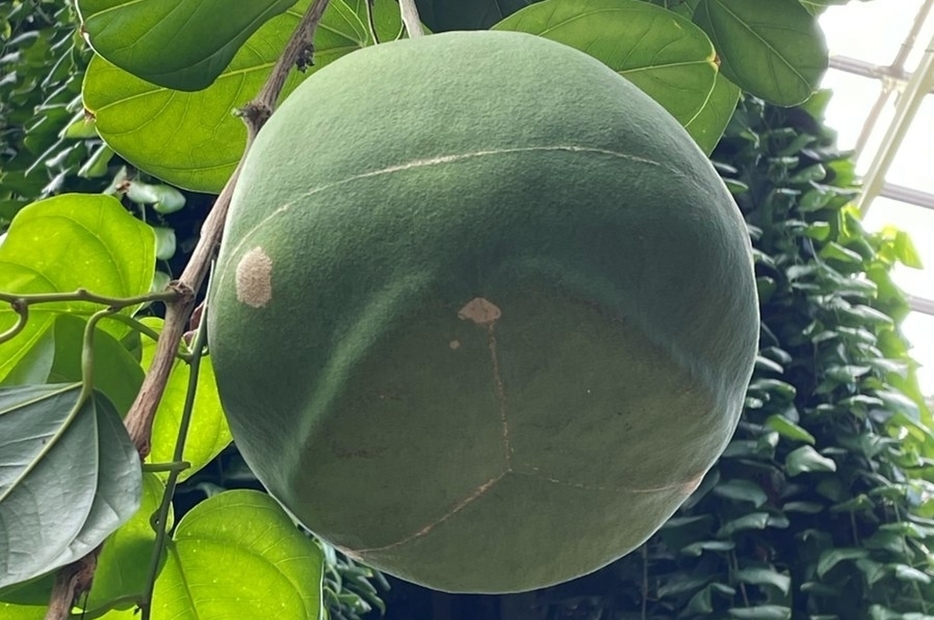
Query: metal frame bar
{"points": [[915, 197], [893, 79]]}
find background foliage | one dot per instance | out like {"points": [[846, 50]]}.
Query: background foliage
{"points": [[821, 506]]}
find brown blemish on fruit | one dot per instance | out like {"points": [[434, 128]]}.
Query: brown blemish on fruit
{"points": [[454, 344], [473, 496], [254, 278], [480, 311]]}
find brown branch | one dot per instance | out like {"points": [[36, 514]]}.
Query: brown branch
{"points": [[75, 579]]}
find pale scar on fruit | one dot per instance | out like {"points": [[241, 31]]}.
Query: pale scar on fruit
{"points": [[480, 311], [254, 278]]}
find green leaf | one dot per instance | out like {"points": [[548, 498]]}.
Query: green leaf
{"points": [[873, 571], [808, 508], [773, 49], [903, 572], [751, 521], [192, 139], [700, 603], [238, 555], [444, 15], [65, 243], [208, 433], [696, 549], [905, 251], [123, 565], [807, 459], [830, 558], [13, 611], [764, 576], [741, 490], [761, 612], [180, 44], [834, 250], [116, 373], [69, 476], [662, 53], [707, 126], [787, 428]]}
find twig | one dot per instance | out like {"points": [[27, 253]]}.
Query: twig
{"points": [[70, 582], [140, 417], [371, 22], [85, 295], [20, 304], [413, 23]]}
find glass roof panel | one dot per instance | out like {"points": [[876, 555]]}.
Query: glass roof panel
{"points": [[918, 328], [853, 98], [913, 165], [870, 31]]}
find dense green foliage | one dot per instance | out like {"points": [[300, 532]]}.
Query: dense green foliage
{"points": [[819, 509], [45, 145], [821, 506]]}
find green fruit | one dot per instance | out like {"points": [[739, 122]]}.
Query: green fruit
{"points": [[484, 314]]}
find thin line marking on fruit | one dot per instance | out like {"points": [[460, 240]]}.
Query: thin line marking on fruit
{"points": [[485, 313], [476, 494], [445, 159]]}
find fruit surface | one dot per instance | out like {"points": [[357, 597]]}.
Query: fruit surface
{"points": [[484, 315]]}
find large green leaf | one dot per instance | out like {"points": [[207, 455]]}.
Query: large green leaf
{"points": [[65, 243], [807, 459], [773, 49], [180, 44], [711, 121], [662, 53], [69, 476], [123, 565], [192, 139], [208, 432], [238, 555], [444, 15], [116, 373]]}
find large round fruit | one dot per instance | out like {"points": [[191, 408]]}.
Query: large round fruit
{"points": [[484, 314]]}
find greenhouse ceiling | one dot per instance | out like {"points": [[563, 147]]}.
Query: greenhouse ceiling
{"points": [[882, 75]]}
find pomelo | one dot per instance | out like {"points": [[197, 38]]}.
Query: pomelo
{"points": [[484, 315]]}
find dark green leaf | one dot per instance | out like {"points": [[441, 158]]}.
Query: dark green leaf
{"points": [[807, 459], [764, 576], [830, 558], [835, 251], [116, 373], [809, 508], [180, 44], [873, 571], [903, 572], [761, 612], [789, 429], [773, 49], [662, 53], [70, 476], [751, 521], [741, 490], [444, 15], [696, 549], [192, 139], [707, 127]]}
